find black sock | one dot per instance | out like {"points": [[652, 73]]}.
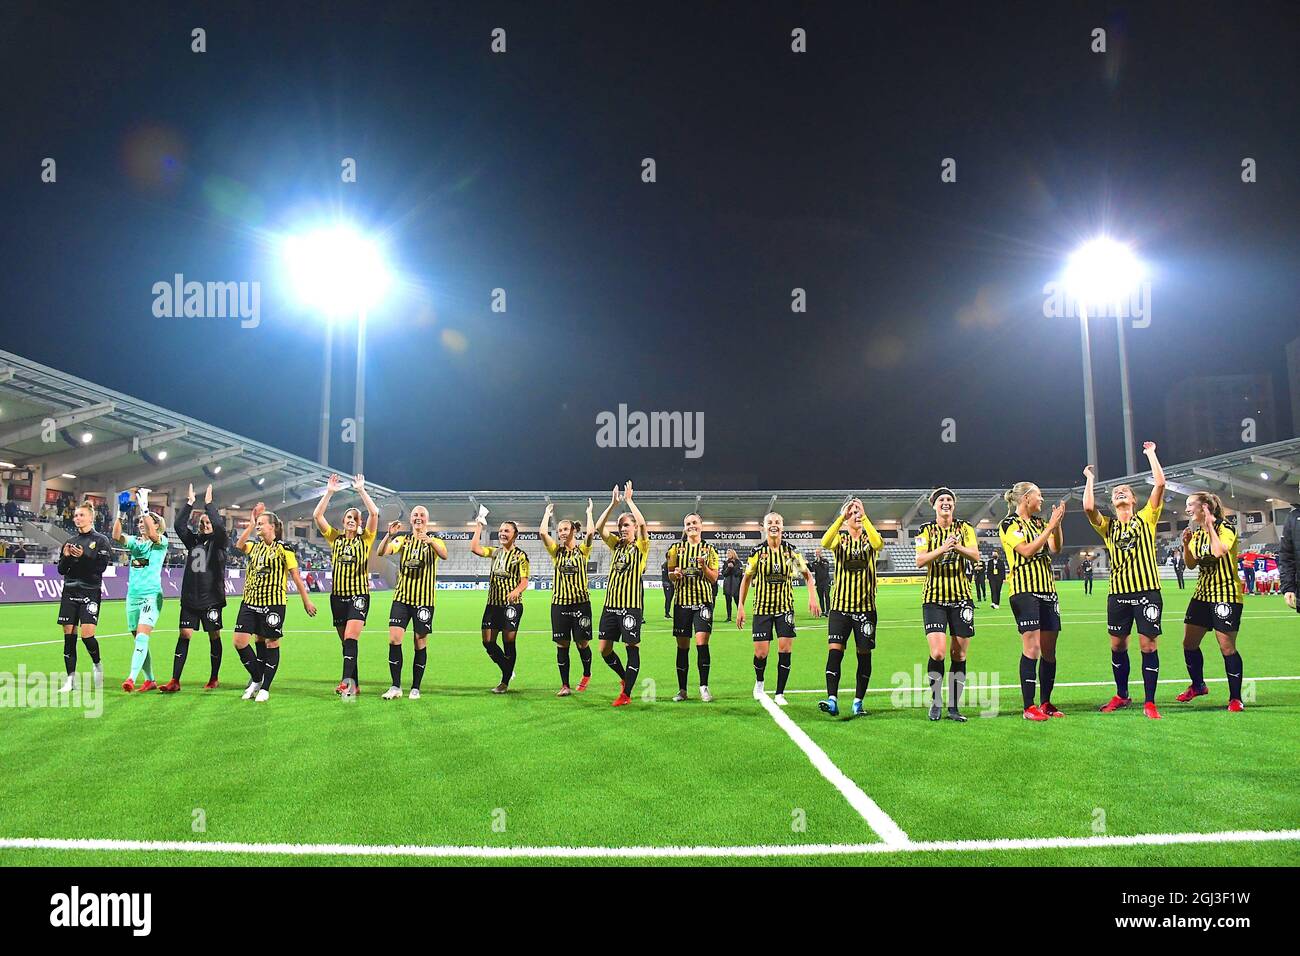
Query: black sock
{"points": [[864, 675], [417, 666], [343, 652], [350, 659], [683, 667], [703, 660], [498, 658], [1195, 666], [615, 664], [1046, 679], [178, 662], [70, 653], [633, 669], [270, 664], [248, 657], [760, 668], [395, 664], [562, 661], [1119, 662], [1027, 681], [1150, 674], [508, 671], [259, 650], [92, 645], [214, 655], [957, 684], [834, 660], [584, 655], [1232, 666], [935, 673], [782, 669]]}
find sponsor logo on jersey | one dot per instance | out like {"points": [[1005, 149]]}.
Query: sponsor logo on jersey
{"points": [[273, 620], [629, 622], [423, 614]]}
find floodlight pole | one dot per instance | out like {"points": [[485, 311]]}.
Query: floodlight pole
{"points": [[323, 452], [1129, 448], [359, 447], [1089, 407]]}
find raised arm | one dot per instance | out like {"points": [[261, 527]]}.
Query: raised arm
{"points": [[642, 531], [609, 539], [544, 529], [372, 510], [1090, 497], [591, 524], [1157, 499], [318, 514], [386, 542], [475, 543]]}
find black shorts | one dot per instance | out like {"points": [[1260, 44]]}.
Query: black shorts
{"points": [[955, 617], [504, 618], [344, 609], [1036, 612], [571, 622], [764, 624], [688, 621], [208, 618], [265, 621], [419, 616], [1220, 616], [861, 624], [621, 624], [1125, 610], [79, 606]]}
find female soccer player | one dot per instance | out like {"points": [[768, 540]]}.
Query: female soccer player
{"points": [[82, 561], [1134, 579], [350, 584], [261, 612], [855, 543], [507, 582], [418, 555], [943, 546], [146, 551], [693, 570], [1210, 544], [203, 587], [624, 610], [570, 598], [1027, 539], [770, 568]]}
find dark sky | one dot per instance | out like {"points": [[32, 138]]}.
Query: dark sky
{"points": [[775, 170]]}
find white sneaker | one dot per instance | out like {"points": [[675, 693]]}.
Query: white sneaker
{"points": [[758, 690], [414, 694], [262, 696], [99, 674], [251, 690], [392, 693], [69, 684], [780, 700], [705, 695]]}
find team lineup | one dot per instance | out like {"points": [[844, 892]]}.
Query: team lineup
{"points": [[944, 546]]}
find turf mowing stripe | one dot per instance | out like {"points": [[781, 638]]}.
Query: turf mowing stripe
{"points": [[1080, 683], [582, 852], [876, 818]]}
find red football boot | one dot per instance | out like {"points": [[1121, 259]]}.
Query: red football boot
{"points": [[1235, 706], [128, 685], [343, 685], [1050, 709], [1032, 712], [211, 685], [622, 700], [1115, 703], [1149, 708], [1191, 693], [148, 685], [171, 687], [582, 684]]}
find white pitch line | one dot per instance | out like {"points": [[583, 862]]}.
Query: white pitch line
{"points": [[876, 818], [645, 852], [1080, 683]]}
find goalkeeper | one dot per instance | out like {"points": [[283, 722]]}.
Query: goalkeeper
{"points": [[146, 552]]}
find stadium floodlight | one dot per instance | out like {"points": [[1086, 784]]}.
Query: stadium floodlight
{"points": [[162, 455], [87, 437], [1101, 274]]}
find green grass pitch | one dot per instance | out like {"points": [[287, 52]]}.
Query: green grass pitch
{"points": [[462, 767]]}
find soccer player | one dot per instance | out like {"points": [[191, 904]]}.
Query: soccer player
{"points": [[146, 552], [770, 568], [203, 587], [82, 561], [418, 555], [350, 582], [570, 597], [507, 582], [1134, 596], [943, 546], [261, 612], [1027, 539], [1210, 544], [855, 543], [693, 569], [624, 610]]}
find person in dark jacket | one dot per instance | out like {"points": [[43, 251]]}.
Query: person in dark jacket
{"points": [[668, 589], [1179, 567], [821, 569], [82, 561], [1086, 572], [203, 588], [979, 581], [732, 571], [1286, 558], [996, 570]]}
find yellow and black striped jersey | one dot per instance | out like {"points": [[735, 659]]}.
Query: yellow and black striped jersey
{"points": [[1132, 548], [509, 567], [694, 589], [946, 579], [854, 587], [770, 572], [351, 560], [625, 589], [570, 586], [417, 570], [1217, 580], [1031, 575], [266, 577]]}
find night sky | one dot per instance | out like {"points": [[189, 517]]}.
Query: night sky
{"points": [[775, 170]]}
